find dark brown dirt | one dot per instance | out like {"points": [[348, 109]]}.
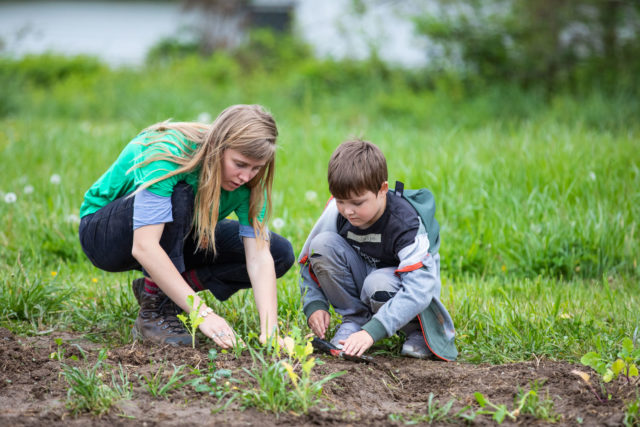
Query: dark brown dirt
{"points": [[33, 390]]}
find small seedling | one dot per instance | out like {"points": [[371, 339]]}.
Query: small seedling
{"points": [[533, 403], [193, 320], [525, 402], [215, 381], [59, 353], [625, 364], [435, 413], [158, 387], [497, 412]]}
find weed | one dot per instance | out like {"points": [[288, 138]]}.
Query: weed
{"points": [[285, 384], [159, 386], [33, 301], [435, 413], [524, 403], [632, 413], [532, 403], [88, 392], [214, 381], [497, 412], [625, 365], [59, 353]]}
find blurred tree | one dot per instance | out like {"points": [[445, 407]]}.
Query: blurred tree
{"points": [[536, 42], [222, 24]]}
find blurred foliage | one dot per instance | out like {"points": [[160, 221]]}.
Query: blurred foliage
{"points": [[554, 44]]}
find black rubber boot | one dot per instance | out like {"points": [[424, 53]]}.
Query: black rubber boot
{"points": [[157, 321]]}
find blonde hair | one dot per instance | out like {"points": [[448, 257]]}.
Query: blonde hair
{"points": [[248, 129], [355, 167]]}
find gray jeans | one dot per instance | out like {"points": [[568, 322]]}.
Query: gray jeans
{"points": [[355, 289]]}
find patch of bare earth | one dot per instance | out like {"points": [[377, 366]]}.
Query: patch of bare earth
{"points": [[33, 390]]}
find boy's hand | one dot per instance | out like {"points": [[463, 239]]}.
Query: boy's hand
{"points": [[319, 322], [357, 343]]}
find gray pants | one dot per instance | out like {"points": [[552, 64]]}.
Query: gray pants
{"points": [[355, 289]]}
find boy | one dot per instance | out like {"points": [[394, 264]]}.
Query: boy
{"points": [[369, 257]]}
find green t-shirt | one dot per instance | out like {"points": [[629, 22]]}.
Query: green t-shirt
{"points": [[119, 181]]}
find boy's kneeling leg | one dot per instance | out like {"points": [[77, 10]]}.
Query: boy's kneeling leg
{"points": [[341, 273]]}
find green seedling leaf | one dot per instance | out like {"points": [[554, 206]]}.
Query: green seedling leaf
{"points": [[481, 399], [500, 413], [590, 359], [193, 319], [594, 361], [633, 370], [608, 376], [627, 346], [617, 367]]}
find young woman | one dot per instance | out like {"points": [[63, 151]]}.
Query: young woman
{"points": [[161, 208]]}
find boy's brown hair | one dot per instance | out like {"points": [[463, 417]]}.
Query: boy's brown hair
{"points": [[355, 167]]}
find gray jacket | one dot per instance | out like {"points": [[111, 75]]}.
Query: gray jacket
{"points": [[418, 296]]}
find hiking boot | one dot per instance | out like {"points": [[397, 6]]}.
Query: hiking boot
{"points": [[415, 346], [157, 321], [138, 288], [344, 331]]}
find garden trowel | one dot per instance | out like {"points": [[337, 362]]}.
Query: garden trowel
{"points": [[328, 348]]}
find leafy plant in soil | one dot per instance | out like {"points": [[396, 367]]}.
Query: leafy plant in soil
{"points": [[285, 383], [624, 367], [158, 385], [435, 413], [88, 392], [214, 381], [524, 403], [193, 320]]}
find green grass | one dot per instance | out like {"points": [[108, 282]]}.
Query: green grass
{"points": [[88, 391], [538, 198]]}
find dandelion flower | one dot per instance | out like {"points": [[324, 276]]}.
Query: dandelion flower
{"points": [[94, 280], [310, 195], [28, 189], [73, 219], [204, 117], [592, 176], [54, 273], [503, 268], [10, 198], [55, 179], [278, 223]]}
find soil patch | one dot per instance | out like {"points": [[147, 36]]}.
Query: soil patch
{"points": [[33, 390]]}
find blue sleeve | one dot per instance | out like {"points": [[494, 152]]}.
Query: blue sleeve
{"points": [[150, 209], [247, 231]]}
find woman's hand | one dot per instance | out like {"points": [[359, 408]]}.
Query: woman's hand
{"points": [[216, 328], [264, 339], [319, 322]]}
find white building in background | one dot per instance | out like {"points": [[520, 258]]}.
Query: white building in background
{"points": [[121, 33]]}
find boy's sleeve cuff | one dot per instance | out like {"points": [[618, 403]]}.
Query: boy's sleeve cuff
{"points": [[375, 329], [314, 306]]}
